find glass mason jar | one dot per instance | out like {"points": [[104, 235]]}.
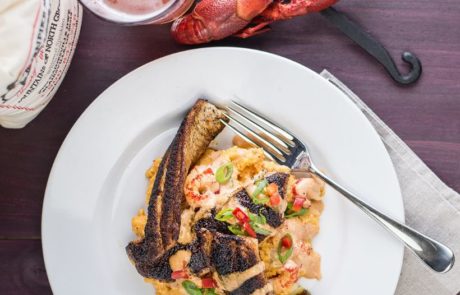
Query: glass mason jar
{"points": [[138, 12]]}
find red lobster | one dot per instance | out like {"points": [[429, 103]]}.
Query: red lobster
{"points": [[216, 19]]}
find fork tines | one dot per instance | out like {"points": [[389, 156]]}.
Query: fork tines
{"points": [[259, 131]]}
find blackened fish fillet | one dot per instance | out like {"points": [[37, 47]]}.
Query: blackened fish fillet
{"points": [[273, 217], [231, 254], [200, 126], [234, 258]]}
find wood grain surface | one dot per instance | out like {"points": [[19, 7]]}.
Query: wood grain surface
{"points": [[425, 115]]}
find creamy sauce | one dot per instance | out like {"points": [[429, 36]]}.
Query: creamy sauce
{"points": [[267, 289], [299, 230], [185, 234], [309, 262], [235, 280], [137, 6], [179, 260]]}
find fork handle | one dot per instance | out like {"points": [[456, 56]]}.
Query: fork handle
{"points": [[437, 256]]}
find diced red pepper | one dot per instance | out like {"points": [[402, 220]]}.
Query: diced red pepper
{"points": [[240, 215], [286, 242], [208, 171], [275, 199], [247, 227], [298, 204], [179, 274], [285, 252], [208, 283]]}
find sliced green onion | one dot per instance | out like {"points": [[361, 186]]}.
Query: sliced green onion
{"points": [[289, 213], [191, 288], [224, 173], [224, 215], [253, 217], [259, 219], [260, 186], [283, 256], [263, 220], [260, 201], [259, 229], [301, 212], [236, 230], [209, 292]]}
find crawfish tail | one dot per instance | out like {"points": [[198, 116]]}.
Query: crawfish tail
{"points": [[188, 30]]}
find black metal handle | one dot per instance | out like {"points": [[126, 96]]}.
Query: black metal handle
{"points": [[375, 48]]}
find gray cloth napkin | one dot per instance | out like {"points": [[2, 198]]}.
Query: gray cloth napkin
{"points": [[431, 207]]}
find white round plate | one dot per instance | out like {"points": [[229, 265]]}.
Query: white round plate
{"points": [[97, 182]]}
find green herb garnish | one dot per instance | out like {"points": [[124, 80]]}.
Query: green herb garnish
{"points": [[260, 219], [283, 253], [209, 292], [224, 215], [289, 213], [224, 173], [191, 288], [301, 212], [259, 229], [236, 230], [260, 186]]}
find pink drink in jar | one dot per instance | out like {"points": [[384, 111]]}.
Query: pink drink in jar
{"points": [[137, 6], [138, 12]]}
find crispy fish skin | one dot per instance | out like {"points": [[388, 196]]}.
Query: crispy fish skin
{"points": [[251, 285], [230, 253], [200, 126], [235, 259], [232, 256]]}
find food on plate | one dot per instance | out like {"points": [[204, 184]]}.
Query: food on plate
{"points": [[234, 222]]}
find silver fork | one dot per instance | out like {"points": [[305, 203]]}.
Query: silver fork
{"points": [[284, 148]]}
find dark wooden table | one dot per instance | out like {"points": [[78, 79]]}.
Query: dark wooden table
{"points": [[426, 115]]}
